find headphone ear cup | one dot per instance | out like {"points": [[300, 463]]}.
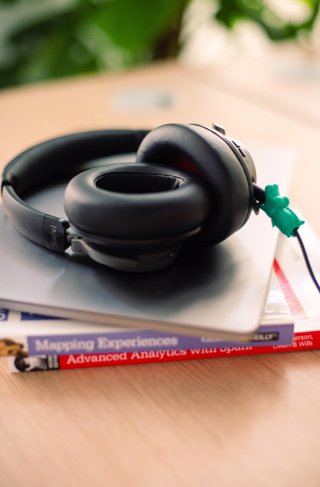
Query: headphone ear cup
{"points": [[135, 208], [210, 156]]}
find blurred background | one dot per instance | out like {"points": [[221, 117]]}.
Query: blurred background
{"points": [[51, 39]]}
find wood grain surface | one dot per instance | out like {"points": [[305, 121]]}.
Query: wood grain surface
{"points": [[241, 421]]}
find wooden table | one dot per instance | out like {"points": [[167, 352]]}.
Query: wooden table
{"points": [[236, 421]]}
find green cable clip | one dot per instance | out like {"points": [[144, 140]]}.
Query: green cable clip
{"points": [[276, 207]]}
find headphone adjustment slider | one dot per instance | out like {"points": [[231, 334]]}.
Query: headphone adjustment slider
{"points": [[55, 234]]}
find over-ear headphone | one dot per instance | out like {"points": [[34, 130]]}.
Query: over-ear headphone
{"points": [[189, 185]]}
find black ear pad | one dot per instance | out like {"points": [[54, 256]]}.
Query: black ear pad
{"points": [[136, 206], [208, 154]]}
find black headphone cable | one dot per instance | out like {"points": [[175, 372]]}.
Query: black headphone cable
{"points": [[282, 217]]}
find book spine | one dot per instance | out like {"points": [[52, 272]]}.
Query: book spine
{"points": [[133, 341], [111, 340], [307, 340]]}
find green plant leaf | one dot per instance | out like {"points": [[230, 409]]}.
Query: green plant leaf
{"points": [[230, 12], [75, 36]]}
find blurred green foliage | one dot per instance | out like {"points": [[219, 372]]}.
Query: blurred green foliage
{"points": [[44, 39]]}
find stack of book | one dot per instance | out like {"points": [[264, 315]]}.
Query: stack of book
{"points": [[289, 322]]}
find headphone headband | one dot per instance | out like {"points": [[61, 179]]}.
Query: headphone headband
{"points": [[64, 157]]}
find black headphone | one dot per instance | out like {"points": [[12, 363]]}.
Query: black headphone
{"points": [[189, 184]]}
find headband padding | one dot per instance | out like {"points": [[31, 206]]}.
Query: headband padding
{"points": [[61, 158], [135, 201], [207, 154]]}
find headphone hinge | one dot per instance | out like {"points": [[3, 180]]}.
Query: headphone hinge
{"points": [[55, 234]]}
